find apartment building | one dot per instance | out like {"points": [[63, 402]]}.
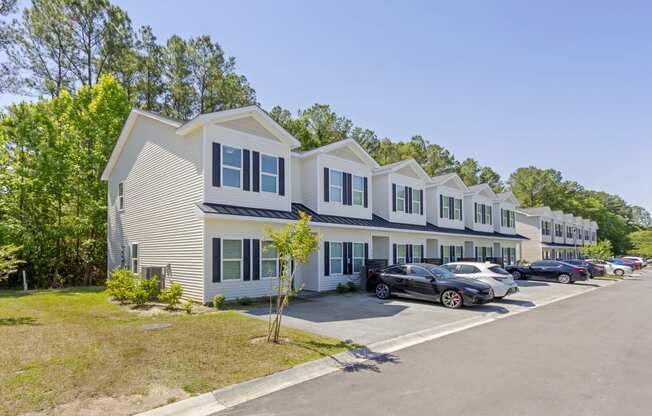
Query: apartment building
{"points": [[196, 198], [553, 235]]}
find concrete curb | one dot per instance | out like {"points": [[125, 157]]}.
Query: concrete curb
{"points": [[230, 396]]}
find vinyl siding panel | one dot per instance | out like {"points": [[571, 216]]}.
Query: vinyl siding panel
{"points": [[162, 177]]}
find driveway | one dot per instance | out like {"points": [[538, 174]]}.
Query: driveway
{"points": [[364, 319]]}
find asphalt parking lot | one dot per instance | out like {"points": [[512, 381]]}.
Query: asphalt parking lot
{"points": [[362, 318]]}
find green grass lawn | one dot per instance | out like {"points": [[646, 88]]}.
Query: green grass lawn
{"points": [[59, 346]]}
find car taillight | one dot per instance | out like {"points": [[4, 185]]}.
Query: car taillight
{"points": [[579, 270], [369, 273]]}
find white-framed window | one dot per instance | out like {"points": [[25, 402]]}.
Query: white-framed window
{"points": [[400, 198], [569, 232], [458, 253], [335, 258], [336, 186], [417, 255], [457, 205], [121, 196], [487, 215], [478, 213], [232, 259], [269, 173], [134, 257], [358, 257], [490, 252], [401, 253], [358, 190], [268, 260], [445, 208], [231, 166], [416, 201], [446, 257], [545, 227]]}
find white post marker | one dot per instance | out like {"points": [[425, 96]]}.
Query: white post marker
{"points": [[24, 281]]}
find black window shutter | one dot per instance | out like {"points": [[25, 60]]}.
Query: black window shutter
{"points": [[326, 185], [408, 200], [475, 212], [394, 252], [345, 258], [451, 208], [348, 186], [217, 260], [255, 260], [453, 253], [349, 258], [476, 253], [441, 252], [246, 169], [483, 212], [441, 206], [366, 252], [423, 253], [327, 258], [461, 209], [217, 165], [421, 199], [256, 171], [408, 253], [246, 259], [393, 197], [281, 176], [366, 193], [502, 217]]}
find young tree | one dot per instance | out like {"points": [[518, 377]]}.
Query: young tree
{"points": [[293, 245], [9, 261], [601, 250]]}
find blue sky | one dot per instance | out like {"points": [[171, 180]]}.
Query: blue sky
{"points": [[555, 84]]}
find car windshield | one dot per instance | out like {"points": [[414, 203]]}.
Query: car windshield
{"points": [[498, 270], [441, 273]]}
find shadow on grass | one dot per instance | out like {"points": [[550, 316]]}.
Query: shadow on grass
{"points": [[23, 320], [371, 362]]}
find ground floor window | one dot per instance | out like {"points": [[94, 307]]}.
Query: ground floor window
{"points": [[134, 257], [401, 253], [483, 253], [417, 255], [358, 257], [335, 258], [451, 253], [232, 259], [509, 255], [268, 260]]}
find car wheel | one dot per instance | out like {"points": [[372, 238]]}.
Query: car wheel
{"points": [[564, 278], [619, 272], [590, 275], [382, 291], [516, 275], [451, 299]]}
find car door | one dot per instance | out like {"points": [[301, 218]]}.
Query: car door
{"points": [[396, 277], [420, 283], [541, 270]]}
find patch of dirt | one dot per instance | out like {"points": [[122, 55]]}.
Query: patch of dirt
{"points": [[259, 340], [158, 395], [157, 308]]}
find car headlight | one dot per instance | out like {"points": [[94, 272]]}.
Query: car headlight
{"points": [[471, 290]]}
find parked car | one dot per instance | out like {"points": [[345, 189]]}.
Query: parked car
{"points": [[499, 279], [634, 265], [549, 270], [617, 269], [592, 267], [639, 260], [428, 282]]}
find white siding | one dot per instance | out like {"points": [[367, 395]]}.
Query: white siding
{"points": [[433, 207], [162, 177], [347, 166], [328, 283], [469, 202], [310, 190], [296, 180], [382, 196], [401, 216]]}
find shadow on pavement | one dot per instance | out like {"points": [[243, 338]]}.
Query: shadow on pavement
{"points": [[531, 283], [524, 303]]}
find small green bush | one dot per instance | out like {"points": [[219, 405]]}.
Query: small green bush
{"points": [[341, 288], [188, 306], [121, 284], [145, 290], [351, 286], [245, 301], [172, 296], [218, 302]]}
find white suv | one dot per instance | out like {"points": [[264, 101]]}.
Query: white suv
{"points": [[500, 280]]}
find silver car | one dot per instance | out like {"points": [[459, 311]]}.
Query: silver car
{"points": [[500, 280]]}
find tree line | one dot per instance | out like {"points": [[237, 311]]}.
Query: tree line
{"points": [[87, 66]]}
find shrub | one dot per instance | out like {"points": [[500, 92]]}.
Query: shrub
{"points": [[121, 285], [188, 306], [351, 286], [172, 296], [341, 288], [244, 301], [144, 291], [218, 302]]}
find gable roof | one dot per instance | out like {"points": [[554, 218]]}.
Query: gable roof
{"points": [[183, 128], [537, 212], [449, 178], [341, 144], [507, 196], [484, 189], [396, 166]]}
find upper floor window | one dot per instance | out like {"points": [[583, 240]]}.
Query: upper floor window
{"points": [[232, 166], [545, 227], [483, 214], [121, 196], [487, 215], [558, 230], [336, 185], [400, 198], [446, 207], [508, 219], [268, 173], [358, 190], [416, 201], [457, 204], [569, 232]]}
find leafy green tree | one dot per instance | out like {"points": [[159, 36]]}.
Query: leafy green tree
{"points": [[491, 177], [469, 171], [9, 261], [602, 250], [293, 245], [641, 243]]}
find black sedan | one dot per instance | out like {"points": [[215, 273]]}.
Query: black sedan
{"points": [[594, 269], [428, 282], [557, 271]]}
